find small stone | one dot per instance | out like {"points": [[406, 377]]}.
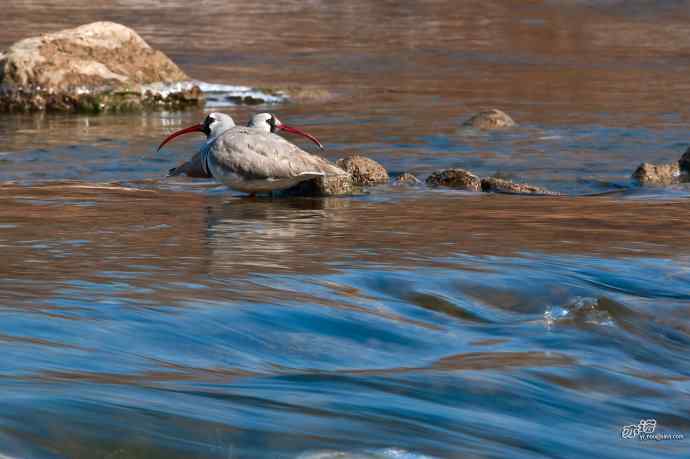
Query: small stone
{"points": [[455, 178], [657, 174], [498, 185], [364, 171], [684, 162], [490, 119], [329, 185], [406, 179]]}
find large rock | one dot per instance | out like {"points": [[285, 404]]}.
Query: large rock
{"points": [[364, 171], [94, 67], [498, 185], [657, 174], [490, 119], [455, 178]]}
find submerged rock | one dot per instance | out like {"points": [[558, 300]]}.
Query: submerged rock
{"points": [[455, 178], [490, 119], [499, 185], [406, 179], [333, 185], [657, 174], [364, 171], [93, 67]]}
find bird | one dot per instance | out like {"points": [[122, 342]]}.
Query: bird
{"points": [[252, 158]]}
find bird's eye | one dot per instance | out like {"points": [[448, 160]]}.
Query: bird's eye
{"points": [[272, 123]]}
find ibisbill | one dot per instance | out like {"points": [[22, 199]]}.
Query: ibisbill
{"points": [[252, 158]]}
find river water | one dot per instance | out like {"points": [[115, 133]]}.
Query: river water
{"points": [[143, 316]]}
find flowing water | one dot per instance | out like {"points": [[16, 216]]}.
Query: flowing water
{"points": [[144, 316]]}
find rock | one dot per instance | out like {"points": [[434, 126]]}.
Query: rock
{"points": [[455, 178], [364, 171], [656, 174], [191, 168], [498, 185], [94, 67], [332, 185], [490, 119], [406, 179], [684, 162]]}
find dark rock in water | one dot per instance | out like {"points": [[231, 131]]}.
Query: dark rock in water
{"points": [[455, 178], [406, 179], [191, 168], [245, 100], [498, 185], [332, 185], [684, 162], [657, 174], [364, 171], [490, 119], [102, 66]]}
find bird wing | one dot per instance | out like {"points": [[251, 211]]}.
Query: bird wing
{"points": [[192, 168], [262, 155]]}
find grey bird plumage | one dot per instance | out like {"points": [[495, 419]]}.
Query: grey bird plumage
{"points": [[253, 159]]}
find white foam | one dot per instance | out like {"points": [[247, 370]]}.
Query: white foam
{"points": [[579, 309], [217, 94]]}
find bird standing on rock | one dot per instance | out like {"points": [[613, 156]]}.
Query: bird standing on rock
{"points": [[254, 159]]}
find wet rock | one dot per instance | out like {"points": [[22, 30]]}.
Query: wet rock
{"points": [[93, 67], [490, 119], [498, 185], [406, 179], [684, 162], [191, 168], [332, 185], [455, 178], [364, 171], [657, 174], [245, 100]]}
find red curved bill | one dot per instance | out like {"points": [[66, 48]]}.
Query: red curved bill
{"points": [[294, 130], [187, 130]]}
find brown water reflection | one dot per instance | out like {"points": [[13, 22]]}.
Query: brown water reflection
{"points": [[60, 233], [76, 229]]}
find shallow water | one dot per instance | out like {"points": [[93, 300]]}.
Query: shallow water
{"points": [[142, 316]]}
